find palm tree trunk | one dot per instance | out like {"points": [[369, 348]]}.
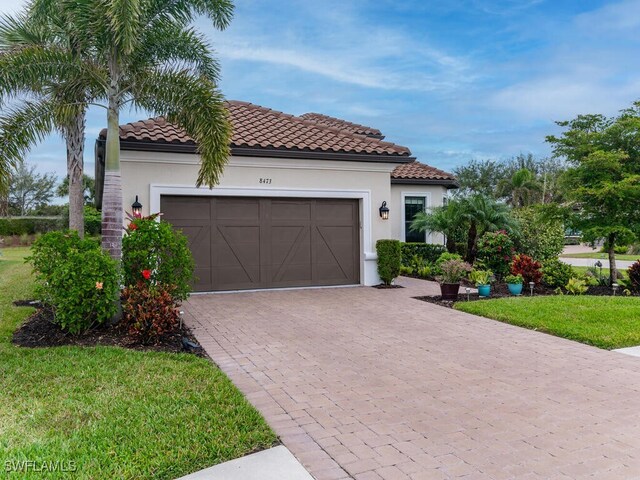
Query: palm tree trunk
{"points": [[613, 271], [112, 214], [471, 242], [75, 165]]}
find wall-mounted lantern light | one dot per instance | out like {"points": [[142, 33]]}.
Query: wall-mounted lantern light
{"points": [[384, 211], [136, 208]]}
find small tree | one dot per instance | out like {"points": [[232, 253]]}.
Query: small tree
{"points": [[30, 190], [88, 189], [603, 182]]}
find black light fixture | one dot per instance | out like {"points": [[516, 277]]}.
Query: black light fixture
{"points": [[384, 211], [136, 208]]}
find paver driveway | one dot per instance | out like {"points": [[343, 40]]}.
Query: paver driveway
{"points": [[370, 384]]}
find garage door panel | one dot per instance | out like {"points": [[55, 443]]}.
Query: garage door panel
{"points": [[250, 243]]}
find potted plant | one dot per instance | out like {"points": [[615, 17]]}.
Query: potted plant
{"points": [[482, 279], [452, 272], [514, 283]]}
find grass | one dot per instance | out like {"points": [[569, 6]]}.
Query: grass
{"points": [[605, 322], [605, 271], [601, 256], [113, 413]]}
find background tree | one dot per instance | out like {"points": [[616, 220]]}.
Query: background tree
{"points": [[88, 185], [521, 189], [30, 190], [603, 181], [480, 176]]}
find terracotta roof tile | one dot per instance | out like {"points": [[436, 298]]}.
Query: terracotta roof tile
{"points": [[259, 127], [420, 171], [342, 125]]}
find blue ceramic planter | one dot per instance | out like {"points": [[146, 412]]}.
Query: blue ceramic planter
{"points": [[515, 288], [484, 290]]}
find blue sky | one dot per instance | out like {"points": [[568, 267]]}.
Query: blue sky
{"points": [[452, 80]]}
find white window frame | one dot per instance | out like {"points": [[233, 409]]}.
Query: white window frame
{"points": [[427, 206]]}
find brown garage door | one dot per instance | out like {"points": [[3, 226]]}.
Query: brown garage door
{"points": [[245, 243]]}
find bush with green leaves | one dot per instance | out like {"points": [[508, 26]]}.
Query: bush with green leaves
{"points": [[444, 257], [389, 259], [514, 279], [540, 235], [428, 253], [76, 279], [28, 225], [480, 277], [556, 273], [495, 250], [92, 220], [155, 246], [576, 286]]}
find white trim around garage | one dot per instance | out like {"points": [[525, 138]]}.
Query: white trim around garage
{"points": [[368, 258]]}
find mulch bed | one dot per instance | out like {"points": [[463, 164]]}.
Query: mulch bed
{"points": [[40, 331], [382, 286], [501, 290]]}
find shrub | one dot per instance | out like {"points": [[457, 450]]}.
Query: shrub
{"points": [[480, 277], [92, 220], [444, 257], [514, 279], [389, 259], [28, 225], [76, 279], [406, 270], [527, 267], [496, 250], [617, 249], [539, 235], [149, 311], [157, 247], [426, 252], [453, 271], [634, 276], [556, 273], [575, 286]]}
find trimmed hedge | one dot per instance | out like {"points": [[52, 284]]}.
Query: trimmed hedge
{"points": [[426, 252], [29, 225], [389, 259]]}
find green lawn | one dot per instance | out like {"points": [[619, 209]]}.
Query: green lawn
{"points": [[601, 256], [605, 271], [605, 322], [114, 413]]}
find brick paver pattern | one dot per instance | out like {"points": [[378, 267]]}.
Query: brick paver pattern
{"points": [[369, 384]]}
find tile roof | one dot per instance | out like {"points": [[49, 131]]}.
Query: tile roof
{"points": [[258, 127], [342, 125], [416, 171]]}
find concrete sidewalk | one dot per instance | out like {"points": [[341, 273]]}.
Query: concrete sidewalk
{"points": [[277, 463]]}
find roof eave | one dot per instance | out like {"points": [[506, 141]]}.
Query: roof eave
{"points": [[449, 183], [267, 152]]}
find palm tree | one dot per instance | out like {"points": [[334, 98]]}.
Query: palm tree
{"points": [[140, 52], [32, 55], [483, 214], [446, 220], [521, 189]]}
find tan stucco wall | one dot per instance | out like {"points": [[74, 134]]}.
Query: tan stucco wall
{"points": [[144, 172], [436, 193]]}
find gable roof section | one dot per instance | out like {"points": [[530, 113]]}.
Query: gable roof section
{"points": [[343, 125], [259, 131], [419, 173]]}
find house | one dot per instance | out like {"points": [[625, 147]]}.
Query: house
{"points": [[300, 202]]}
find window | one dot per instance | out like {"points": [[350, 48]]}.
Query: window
{"points": [[412, 206]]}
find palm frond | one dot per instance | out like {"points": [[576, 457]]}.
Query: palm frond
{"points": [[124, 17], [180, 47], [21, 127], [194, 104]]}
